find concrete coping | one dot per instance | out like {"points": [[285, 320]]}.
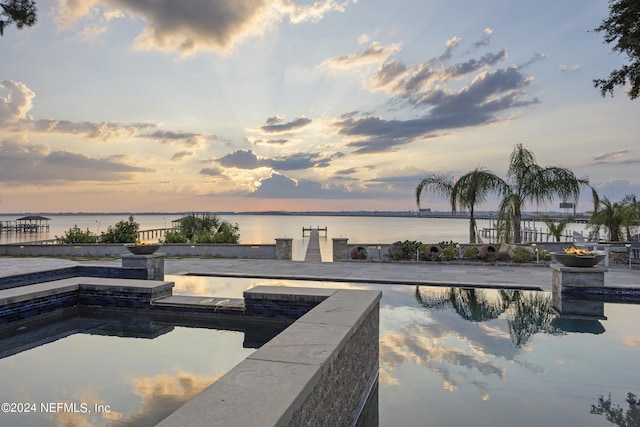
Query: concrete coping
{"points": [[282, 293], [270, 385], [73, 284], [564, 269], [39, 290]]}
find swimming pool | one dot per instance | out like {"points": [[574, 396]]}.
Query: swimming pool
{"points": [[448, 357], [111, 368], [452, 357]]}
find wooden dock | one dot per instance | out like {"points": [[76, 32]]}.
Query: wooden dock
{"points": [[27, 224], [153, 233], [311, 229], [313, 248]]}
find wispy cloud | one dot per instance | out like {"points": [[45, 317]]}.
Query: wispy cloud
{"points": [[620, 157], [274, 125], [432, 87], [375, 53], [181, 155], [187, 139], [36, 163], [564, 68]]}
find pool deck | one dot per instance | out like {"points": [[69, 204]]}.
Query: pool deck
{"points": [[493, 276]]}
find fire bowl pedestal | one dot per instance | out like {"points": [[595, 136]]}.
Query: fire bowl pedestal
{"points": [[154, 264], [573, 279]]}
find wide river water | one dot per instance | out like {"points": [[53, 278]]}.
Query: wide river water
{"points": [[264, 229]]}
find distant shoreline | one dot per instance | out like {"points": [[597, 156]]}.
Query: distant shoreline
{"points": [[401, 214]]}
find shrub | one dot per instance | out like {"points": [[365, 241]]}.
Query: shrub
{"points": [[174, 237], [544, 255], [204, 228], [449, 253], [122, 232], [359, 252], [75, 235], [406, 250], [470, 252], [522, 255]]}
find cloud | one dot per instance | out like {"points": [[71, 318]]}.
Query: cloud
{"points": [[569, 68], [248, 159], [348, 171], [282, 186], [31, 163], [212, 171], [187, 139], [274, 126], [374, 54], [189, 26], [428, 87], [104, 131], [278, 185], [14, 107], [486, 38], [271, 141], [620, 157], [535, 58], [180, 155], [14, 117]]}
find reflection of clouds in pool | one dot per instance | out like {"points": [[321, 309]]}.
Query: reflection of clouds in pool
{"points": [[632, 341], [163, 391], [160, 395], [442, 354], [234, 287]]}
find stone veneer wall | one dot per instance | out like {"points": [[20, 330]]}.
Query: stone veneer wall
{"points": [[346, 382], [320, 371]]}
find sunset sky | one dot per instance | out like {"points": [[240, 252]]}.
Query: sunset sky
{"points": [[252, 105]]}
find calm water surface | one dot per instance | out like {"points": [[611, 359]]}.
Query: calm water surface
{"points": [[264, 229], [455, 357], [448, 357], [143, 369]]}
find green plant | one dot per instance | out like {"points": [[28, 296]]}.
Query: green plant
{"points": [[174, 237], [407, 250], [521, 255], [122, 232], [449, 253], [556, 229], [470, 252], [359, 252], [204, 228], [75, 235], [544, 255]]}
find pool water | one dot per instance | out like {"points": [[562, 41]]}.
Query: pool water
{"points": [[110, 369], [448, 357], [454, 357]]}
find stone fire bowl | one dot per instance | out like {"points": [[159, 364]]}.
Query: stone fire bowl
{"points": [[578, 260], [142, 249]]}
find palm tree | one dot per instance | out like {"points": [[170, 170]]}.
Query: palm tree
{"points": [[471, 189], [617, 218], [529, 182], [465, 193], [556, 229]]}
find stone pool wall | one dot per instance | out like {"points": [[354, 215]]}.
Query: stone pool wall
{"points": [[280, 250], [321, 370]]}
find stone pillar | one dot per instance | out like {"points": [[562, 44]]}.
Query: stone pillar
{"points": [[574, 278], [284, 248], [340, 252], [154, 264]]}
